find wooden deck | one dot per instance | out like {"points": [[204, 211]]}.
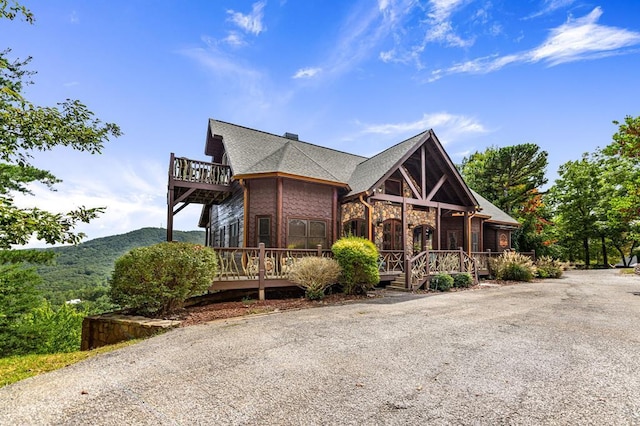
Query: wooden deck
{"points": [[262, 268], [194, 182]]}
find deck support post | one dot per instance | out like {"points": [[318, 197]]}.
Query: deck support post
{"points": [[461, 259], [407, 271], [261, 271]]}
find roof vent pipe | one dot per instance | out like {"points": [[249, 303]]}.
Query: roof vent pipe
{"points": [[291, 136]]}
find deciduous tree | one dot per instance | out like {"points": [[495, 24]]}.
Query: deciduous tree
{"points": [[26, 128]]}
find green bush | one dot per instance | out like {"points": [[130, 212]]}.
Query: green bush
{"points": [[462, 280], [48, 331], [547, 267], [314, 275], [513, 266], [441, 282], [358, 258], [159, 278]]}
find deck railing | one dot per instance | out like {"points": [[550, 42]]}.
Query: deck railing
{"points": [[246, 263], [391, 261], [431, 262], [270, 266], [187, 170], [483, 258]]}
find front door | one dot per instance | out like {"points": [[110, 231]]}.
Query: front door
{"points": [[392, 235], [422, 238]]}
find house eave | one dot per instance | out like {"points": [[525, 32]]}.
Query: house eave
{"points": [[249, 176]]}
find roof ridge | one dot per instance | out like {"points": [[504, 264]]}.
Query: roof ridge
{"points": [[393, 146], [315, 162], [289, 140]]}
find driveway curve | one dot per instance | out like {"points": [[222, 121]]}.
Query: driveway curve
{"points": [[551, 352]]}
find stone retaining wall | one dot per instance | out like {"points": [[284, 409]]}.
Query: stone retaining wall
{"points": [[107, 329]]}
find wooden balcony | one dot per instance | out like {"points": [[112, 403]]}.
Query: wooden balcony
{"points": [[195, 182]]}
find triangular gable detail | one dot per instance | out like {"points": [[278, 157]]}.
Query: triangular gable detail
{"points": [[429, 141]]}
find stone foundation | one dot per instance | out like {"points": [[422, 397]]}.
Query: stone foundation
{"points": [[107, 329]]}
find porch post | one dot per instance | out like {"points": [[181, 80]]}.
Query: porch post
{"points": [[405, 228], [407, 271], [170, 200], [335, 223], [261, 271], [438, 230], [279, 224]]}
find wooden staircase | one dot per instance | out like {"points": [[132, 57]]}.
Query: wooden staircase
{"points": [[398, 284]]}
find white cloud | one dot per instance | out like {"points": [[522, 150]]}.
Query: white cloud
{"points": [[234, 39], [576, 39], [441, 28], [550, 6], [252, 22], [307, 72], [74, 18], [134, 197], [448, 127]]}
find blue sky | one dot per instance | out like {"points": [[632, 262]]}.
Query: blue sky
{"points": [[357, 76]]}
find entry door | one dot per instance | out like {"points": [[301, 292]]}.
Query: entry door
{"points": [[392, 235]]}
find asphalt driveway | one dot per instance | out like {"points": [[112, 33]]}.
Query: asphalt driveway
{"points": [[553, 352]]}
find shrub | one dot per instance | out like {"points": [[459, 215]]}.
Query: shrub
{"points": [[358, 258], [462, 280], [314, 275], [441, 282], [548, 267], [49, 331], [159, 278], [513, 266]]}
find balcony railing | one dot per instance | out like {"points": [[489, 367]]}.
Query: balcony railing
{"points": [[187, 170]]}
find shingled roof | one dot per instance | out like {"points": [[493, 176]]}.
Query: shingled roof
{"points": [[251, 152], [490, 209]]}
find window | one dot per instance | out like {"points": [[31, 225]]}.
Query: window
{"points": [[454, 241], [474, 242], [306, 233], [355, 227], [393, 187], [222, 242], [263, 231], [234, 234], [392, 234]]}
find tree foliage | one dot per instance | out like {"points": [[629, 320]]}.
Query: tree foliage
{"points": [[626, 141], [26, 128], [575, 196], [510, 177], [18, 298]]}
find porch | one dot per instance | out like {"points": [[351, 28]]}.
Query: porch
{"points": [[262, 268]]}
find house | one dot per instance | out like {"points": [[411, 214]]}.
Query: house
{"points": [[286, 193]]}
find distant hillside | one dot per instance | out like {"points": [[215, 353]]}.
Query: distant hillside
{"points": [[81, 271]]}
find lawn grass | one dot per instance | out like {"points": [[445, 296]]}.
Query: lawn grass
{"points": [[20, 367], [627, 271]]}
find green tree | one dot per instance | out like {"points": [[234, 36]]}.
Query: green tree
{"points": [[575, 197], [619, 204], [26, 128], [18, 297], [510, 177], [626, 141]]}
